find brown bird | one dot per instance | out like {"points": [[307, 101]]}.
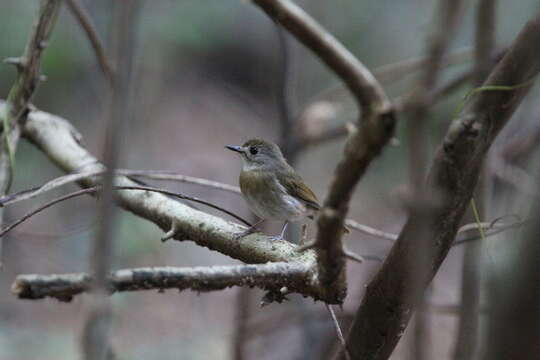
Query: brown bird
{"points": [[271, 187]]}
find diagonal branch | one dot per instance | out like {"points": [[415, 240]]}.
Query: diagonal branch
{"points": [[162, 175], [95, 189], [386, 308], [271, 276], [20, 95], [365, 141], [88, 27]]}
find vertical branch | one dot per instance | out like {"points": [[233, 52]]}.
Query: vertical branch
{"points": [[288, 138], [241, 323], [447, 15], [291, 145], [20, 95], [513, 327], [468, 329], [96, 331]]}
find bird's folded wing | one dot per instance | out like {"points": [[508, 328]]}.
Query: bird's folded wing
{"points": [[295, 186]]}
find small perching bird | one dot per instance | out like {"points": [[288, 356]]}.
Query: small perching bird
{"points": [[271, 187]]}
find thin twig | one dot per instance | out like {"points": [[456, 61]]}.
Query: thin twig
{"points": [[338, 331], [48, 186], [172, 176], [165, 176], [391, 73], [94, 189], [84, 20]]}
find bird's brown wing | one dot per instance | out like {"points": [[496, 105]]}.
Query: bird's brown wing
{"points": [[296, 187]]}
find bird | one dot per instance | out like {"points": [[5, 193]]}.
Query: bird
{"points": [[271, 187]]}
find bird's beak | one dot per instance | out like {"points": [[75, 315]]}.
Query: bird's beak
{"points": [[238, 149]]}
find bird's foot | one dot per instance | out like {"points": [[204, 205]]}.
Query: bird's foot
{"points": [[244, 233], [277, 238]]}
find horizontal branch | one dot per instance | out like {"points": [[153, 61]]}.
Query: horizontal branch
{"points": [[163, 176], [271, 276]]}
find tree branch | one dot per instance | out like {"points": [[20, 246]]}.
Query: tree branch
{"points": [[61, 142], [20, 95], [89, 29], [271, 276], [364, 143], [385, 311]]}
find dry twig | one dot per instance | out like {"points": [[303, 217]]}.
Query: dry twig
{"points": [[91, 33]]}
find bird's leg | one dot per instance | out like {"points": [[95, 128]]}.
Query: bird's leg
{"points": [[280, 236], [249, 230]]}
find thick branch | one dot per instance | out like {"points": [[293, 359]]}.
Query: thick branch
{"points": [[271, 276], [385, 311]]}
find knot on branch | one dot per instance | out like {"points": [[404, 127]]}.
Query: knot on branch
{"points": [[18, 62]]}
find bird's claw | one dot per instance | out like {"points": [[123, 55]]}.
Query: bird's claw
{"points": [[244, 233]]}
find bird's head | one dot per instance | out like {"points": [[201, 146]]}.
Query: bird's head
{"points": [[259, 154]]}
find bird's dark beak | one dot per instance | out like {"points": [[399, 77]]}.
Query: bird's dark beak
{"points": [[238, 149]]}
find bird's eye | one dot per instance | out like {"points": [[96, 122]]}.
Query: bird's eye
{"points": [[253, 150]]}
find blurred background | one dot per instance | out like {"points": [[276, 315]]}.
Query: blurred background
{"points": [[207, 74]]}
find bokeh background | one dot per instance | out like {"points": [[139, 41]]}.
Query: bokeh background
{"points": [[207, 73]]}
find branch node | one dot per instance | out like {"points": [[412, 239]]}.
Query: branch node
{"points": [[18, 62], [306, 246], [172, 232]]}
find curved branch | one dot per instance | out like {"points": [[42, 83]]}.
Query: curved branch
{"points": [[365, 141], [360, 81], [91, 33], [94, 189]]}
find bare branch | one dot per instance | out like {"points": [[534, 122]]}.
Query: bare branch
{"points": [[20, 95], [95, 189], [164, 176], [271, 276], [172, 176], [338, 331], [91, 33], [48, 186], [369, 230], [53, 135], [468, 332], [364, 143], [358, 78], [384, 312]]}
